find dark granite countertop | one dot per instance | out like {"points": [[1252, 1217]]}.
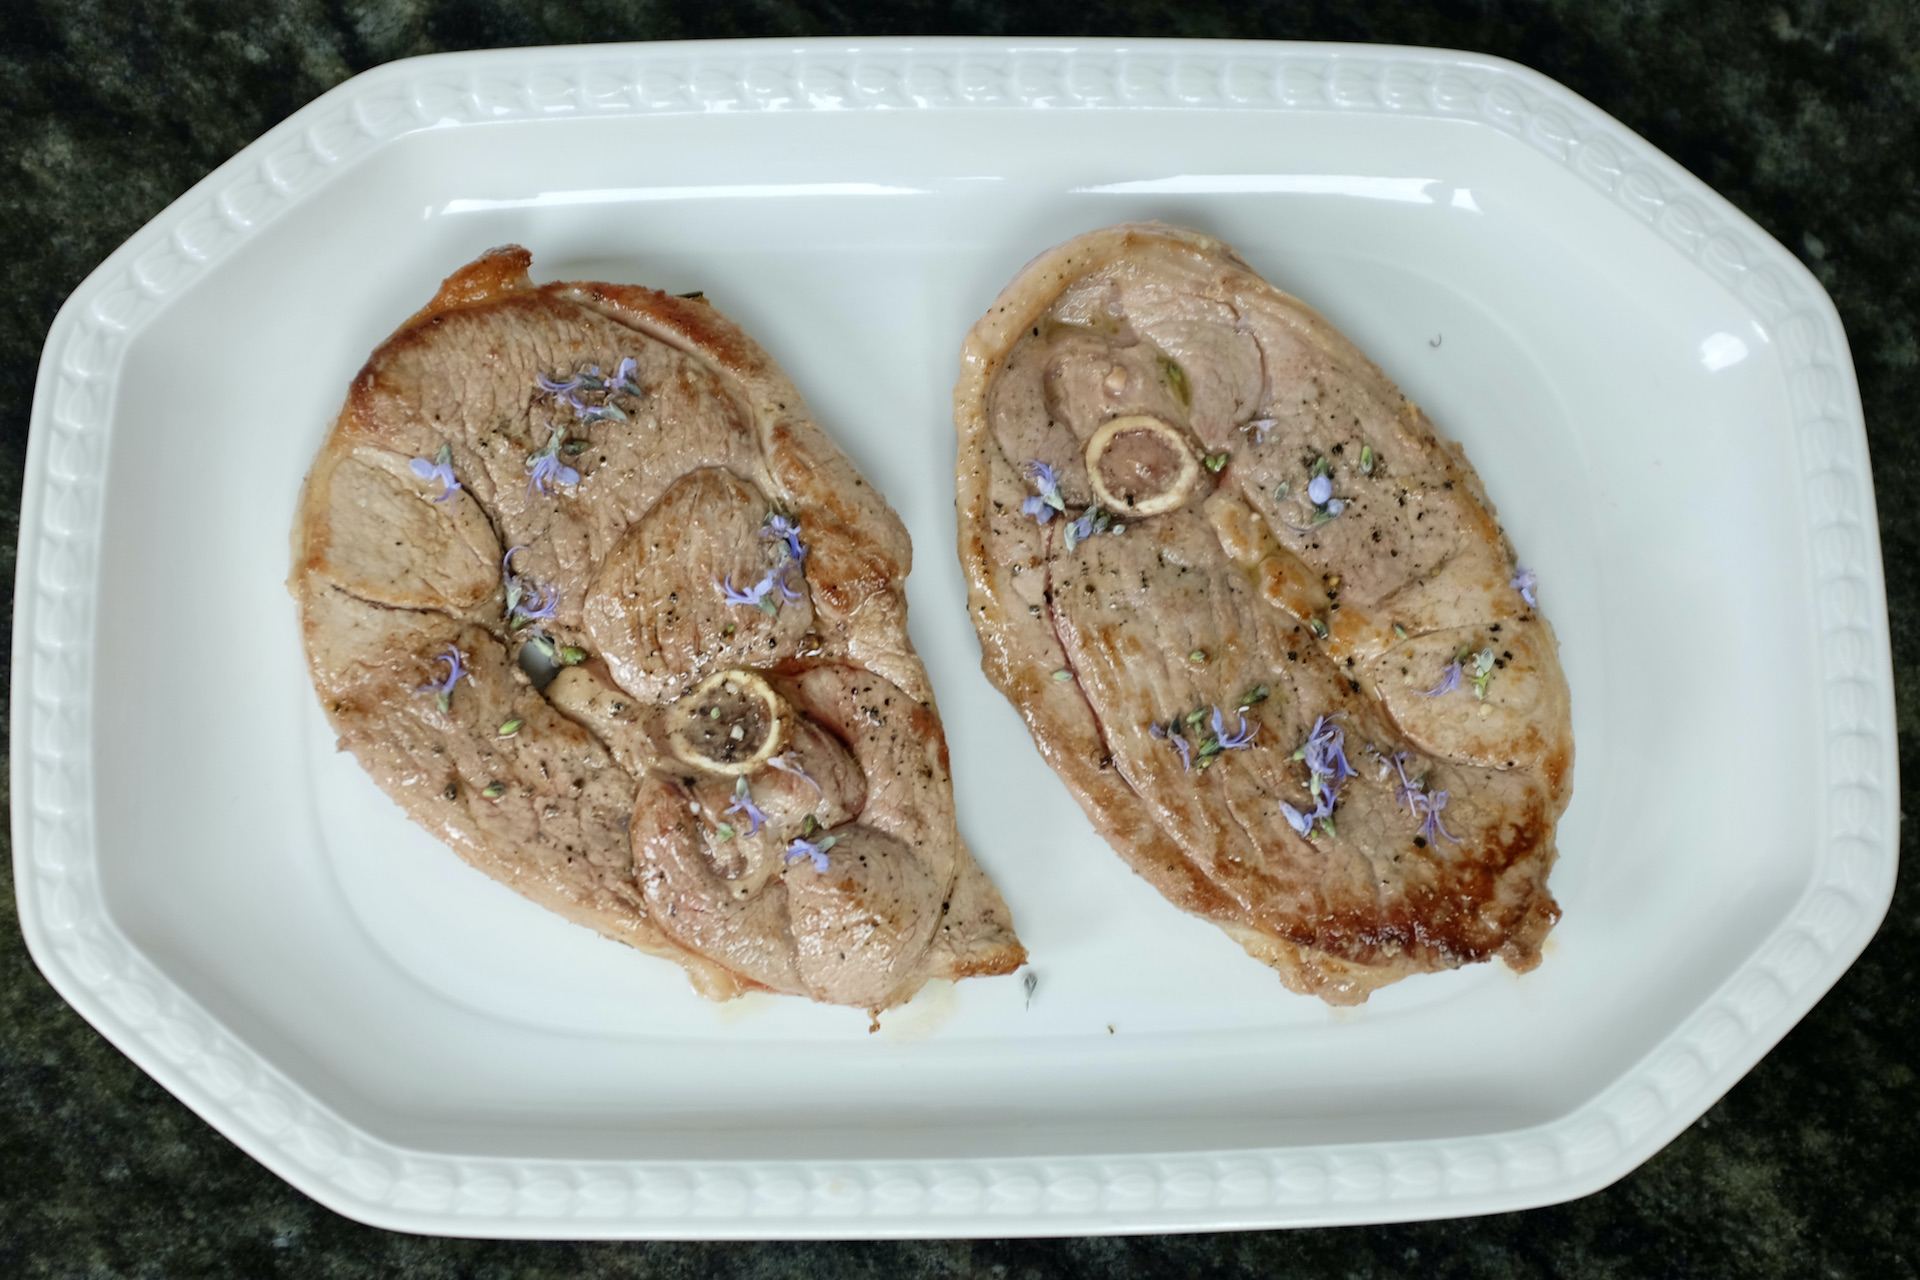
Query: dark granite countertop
{"points": [[1805, 114]]}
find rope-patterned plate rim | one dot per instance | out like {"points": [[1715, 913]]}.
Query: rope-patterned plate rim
{"points": [[81, 951]]}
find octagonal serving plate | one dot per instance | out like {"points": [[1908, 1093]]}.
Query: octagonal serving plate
{"points": [[1657, 396]]}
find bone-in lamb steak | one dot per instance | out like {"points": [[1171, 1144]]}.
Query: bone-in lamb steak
{"points": [[1259, 616], [738, 766]]}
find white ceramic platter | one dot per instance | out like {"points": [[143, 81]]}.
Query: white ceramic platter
{"points": [[1659, 400]]}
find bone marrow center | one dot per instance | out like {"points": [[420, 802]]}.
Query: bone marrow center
{"points": [[730, 723], [1141, 466]]}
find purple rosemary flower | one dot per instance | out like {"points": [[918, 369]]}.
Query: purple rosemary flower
{"points": [[743, 803], [1449, 681], [625, 379], [1094, 519], [527, 600], [544, 466], [1048, 501], [759, 595], [1421, 803], [1321, 813], [788, 532], [441, 469], [1260, 427], [791, 551], [1161, 732], [547, 469], [553, 388], [1405, 791], [1325, 755], [539, 603], [817, 850], [1239, 738], [1428, 807], [589, 413], [1524, 582], [785, 763], [752, 596], [604, 412], [1320, 494], [1078, 531], [443, 689]]}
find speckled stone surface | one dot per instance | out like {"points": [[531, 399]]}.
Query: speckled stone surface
{"points": [[1806, 115]]}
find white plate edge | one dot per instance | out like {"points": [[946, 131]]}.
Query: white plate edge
{"points": [[81, 951]]}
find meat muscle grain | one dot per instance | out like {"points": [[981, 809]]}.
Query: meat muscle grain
{"points": [[1259, 616], [738, 766]]}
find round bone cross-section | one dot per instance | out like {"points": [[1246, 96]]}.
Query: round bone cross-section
{"points": [[1141, 466], [731, 723], [738, 766]]}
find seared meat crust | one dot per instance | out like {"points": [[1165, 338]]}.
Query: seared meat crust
{"points": [[674, 456], [1325, 568]]}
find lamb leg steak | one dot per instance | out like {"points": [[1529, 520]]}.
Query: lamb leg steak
{"points": [[592, 597], [1259, 615]]}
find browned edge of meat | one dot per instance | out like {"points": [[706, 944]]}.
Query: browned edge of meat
{"points": [[1343, 960], [389, 571]]}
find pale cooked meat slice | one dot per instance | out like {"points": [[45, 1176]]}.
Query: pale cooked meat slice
{"points": [[975, 935], [467, 379], [901, 751], [860, 925], [817, 788], [818, 778], [373, 535], [858, 552], [619, 481], [653, 610], [1133, 348], [1131, 649], [851, 930], [865, 781], [739, 925], [544, 810], [629, 727]]}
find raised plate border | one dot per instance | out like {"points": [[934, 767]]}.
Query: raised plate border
{"points": [[84, 955]]}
